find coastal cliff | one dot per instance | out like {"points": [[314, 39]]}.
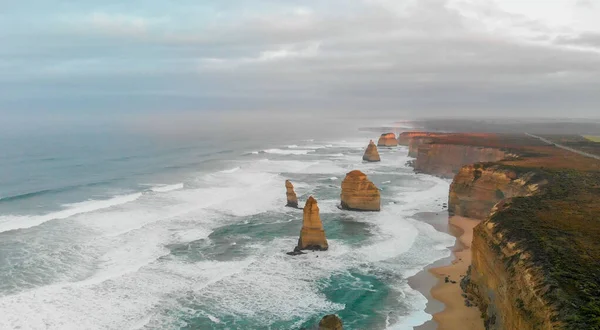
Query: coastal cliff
{"points": [[535, 259], [445, 160], [476, 188], [505, 285]]}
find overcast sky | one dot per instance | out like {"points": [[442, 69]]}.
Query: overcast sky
{"points": [[413, 57]]}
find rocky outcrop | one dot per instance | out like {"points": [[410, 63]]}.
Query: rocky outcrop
{"points": [[478, 187], [534, 257], [312, 235], [405, 138], [331, 322], [415, 142], [505, 286], [371, 154], [445, 160], [506, 295], [387, 140], [292, 200], [359, 194]]}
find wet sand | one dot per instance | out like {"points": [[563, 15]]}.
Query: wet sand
{"points": [[446, 302]]}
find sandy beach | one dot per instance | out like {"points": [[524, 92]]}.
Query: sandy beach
{"points": [[456, 316]]}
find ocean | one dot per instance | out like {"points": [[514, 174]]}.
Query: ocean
{"points": [[151, 226]]}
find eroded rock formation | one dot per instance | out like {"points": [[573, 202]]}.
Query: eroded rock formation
{"points": [[478, 191], [405, 138], [445, 160], [505, 286], [387, 140], [478, 187], [312, 235], [371, 154], [331, 322], [534, 257], [292, 200], [359, 194]]}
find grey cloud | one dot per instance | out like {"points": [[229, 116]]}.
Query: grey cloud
{"points": [[584, 3], [372, 56], [590, 39]]}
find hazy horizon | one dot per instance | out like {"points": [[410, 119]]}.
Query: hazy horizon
{"points": [[405, 59]]}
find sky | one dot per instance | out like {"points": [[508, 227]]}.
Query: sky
{"points": [[405, 57]]}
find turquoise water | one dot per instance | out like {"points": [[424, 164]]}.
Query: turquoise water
{"points": [[127, 232]]}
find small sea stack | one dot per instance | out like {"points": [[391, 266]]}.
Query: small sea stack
{"points": [[371, 154], [387, 140], [359, 194], [312, 235], [331, 322], [292, 200]]}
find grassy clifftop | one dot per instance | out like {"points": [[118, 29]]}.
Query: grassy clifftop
{"points": [[560, 231]]}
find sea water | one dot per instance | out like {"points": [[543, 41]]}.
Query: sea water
{"points": [[119, 229]]}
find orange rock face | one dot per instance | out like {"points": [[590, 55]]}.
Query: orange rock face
{"points": [[446, 159], [477, 188], [312, 236], [359, 194], [292, 200], [405, 138], [387, 140], [371, 154]]}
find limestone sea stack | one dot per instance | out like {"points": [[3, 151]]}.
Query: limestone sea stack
{"points": [[331, 322], [312, 235], [371, 154], [359, 194], [292, 200], [387, 140]]}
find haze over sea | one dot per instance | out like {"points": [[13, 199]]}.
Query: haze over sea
{"points": [[179, 223]]}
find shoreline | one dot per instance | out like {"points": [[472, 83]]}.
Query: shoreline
{"points": [[445, 300]]}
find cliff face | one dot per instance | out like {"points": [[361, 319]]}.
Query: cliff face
{"points": [[359, 194], [501, 282], [292, 199], [535, 257], [446, 159], [476, 188], [505, 285], [312, 235], [415, 142], [405, 138], [371, 154], [387, 140]]}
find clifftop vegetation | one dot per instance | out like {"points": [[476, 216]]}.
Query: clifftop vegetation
{"points": [[560, 231]]}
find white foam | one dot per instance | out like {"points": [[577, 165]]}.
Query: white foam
{"points": [[12, 222], [287, 152], [311, 146], [166, 188], [133, 280], [235, 169]]}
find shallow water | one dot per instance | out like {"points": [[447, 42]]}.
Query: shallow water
{"points": [[194, 237]]}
